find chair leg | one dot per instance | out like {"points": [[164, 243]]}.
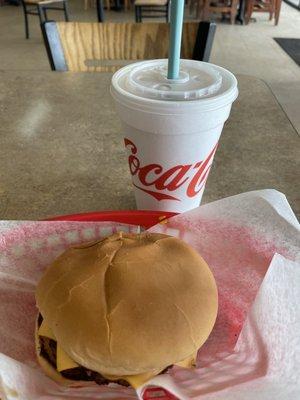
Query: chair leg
{"points": [[232, 18], [100, 12], [108, 5], [44, 11], [233, 11], [277, 10], [271, 9], [136, 13], [138, 17], [249, 11], [41, 12], [205, 11], [26, 20], [66, 11], [199, 6]]}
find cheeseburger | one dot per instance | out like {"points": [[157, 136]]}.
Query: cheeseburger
{"points": [[124, 309]]}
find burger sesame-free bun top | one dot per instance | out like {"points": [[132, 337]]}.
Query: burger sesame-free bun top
{"points": [[130, 303]]}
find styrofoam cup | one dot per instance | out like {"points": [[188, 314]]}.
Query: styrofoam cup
{"points": [[172, 128]]}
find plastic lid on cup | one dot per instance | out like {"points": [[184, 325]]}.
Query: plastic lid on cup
{"points": [[195, 81], [201, 86]]}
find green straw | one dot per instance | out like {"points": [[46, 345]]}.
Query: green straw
{"points": [[177, 9]]}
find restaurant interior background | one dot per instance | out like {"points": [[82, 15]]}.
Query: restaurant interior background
{"points": [[64, 180], [243, 49]]}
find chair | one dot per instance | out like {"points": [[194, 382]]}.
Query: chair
{"points": [[219, 6], [93, 47], [40, 7], [151, 9], [93, 3], [272, 7], [100, 7]]}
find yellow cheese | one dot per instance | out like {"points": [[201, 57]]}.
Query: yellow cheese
{"points": [[44, 330], [138, 380], [134, 380], [189, 362], [63, 361]]}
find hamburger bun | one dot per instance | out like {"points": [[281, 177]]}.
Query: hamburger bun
{"points": [[129, 304]]}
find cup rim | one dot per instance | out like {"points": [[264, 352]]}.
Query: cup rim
{"points": [[159, 106]]}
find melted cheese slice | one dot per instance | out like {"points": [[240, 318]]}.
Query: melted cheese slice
{"points": [[63, 362], [134, 380], [44, 330], [189, 362]]}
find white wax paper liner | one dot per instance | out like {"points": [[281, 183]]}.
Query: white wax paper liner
{"points": [[265, 362], [238, 236]]}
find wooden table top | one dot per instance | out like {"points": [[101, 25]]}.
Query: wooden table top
{"points": [[61, 150]]}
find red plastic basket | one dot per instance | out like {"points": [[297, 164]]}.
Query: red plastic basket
{"points": [[145, 219]]}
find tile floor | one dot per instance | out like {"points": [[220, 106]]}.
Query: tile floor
{"points": [[247, 50]]}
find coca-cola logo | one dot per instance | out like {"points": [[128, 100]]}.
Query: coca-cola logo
{"points": [[154, 177]]}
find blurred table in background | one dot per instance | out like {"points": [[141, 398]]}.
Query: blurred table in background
{"points": [[62, 152]]}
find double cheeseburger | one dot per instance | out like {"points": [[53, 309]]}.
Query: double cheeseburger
{"points": [[124, 309]]}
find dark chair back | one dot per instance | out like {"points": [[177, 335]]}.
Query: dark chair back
{"points": [[105, 47]]}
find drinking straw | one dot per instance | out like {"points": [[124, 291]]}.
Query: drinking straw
{"points": [[177, 8]]}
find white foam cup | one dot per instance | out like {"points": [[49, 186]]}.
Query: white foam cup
{"points": [[171, 128]]}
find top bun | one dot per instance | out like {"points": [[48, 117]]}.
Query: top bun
{"points": [[130, 303]]}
